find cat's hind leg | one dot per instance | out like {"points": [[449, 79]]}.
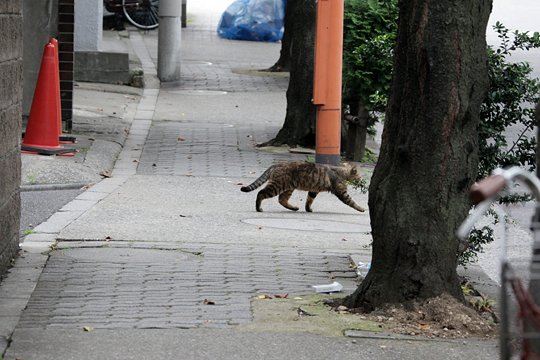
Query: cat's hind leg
{"points": [[284, 200], [311, 196], [268, 192]]}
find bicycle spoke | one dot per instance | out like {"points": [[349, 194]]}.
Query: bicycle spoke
{"points": [[142, 14]]}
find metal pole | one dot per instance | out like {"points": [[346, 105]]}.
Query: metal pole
{"points": [[327, 80], [534, 283], [169, 38]]}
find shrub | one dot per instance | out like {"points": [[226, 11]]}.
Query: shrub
{"points": [[509, 104], [369, 37]]}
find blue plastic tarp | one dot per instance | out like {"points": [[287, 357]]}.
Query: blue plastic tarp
{"points": [[255, 20]]}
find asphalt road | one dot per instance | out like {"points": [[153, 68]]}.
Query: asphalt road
{"points": [[38, 206]]}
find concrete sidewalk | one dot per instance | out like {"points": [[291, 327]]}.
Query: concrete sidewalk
{"points": [[137, 259]]}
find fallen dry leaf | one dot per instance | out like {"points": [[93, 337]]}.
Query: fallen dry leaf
{"points": [[208, 302], [281, 296], [88, 328], [264, 297], [181, 139], [303, 312]]}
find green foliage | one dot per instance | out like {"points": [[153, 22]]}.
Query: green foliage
{"points": [[370, 30], [467, 289], [28, 231], [509, 103], [483, 304], [477, 240], [369, 157], [360, 184]]}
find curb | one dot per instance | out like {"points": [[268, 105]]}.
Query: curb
{"points": [[48, 187]]}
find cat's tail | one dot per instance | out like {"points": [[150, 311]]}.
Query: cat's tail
{"points": [[260, 180]]}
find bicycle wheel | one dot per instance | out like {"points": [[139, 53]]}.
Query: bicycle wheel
{"points": [[142, 13]]}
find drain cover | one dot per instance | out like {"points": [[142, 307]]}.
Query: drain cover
{"points": [[126, 255], [310, 225]]}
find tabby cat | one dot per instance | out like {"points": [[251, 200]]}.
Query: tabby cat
{"points": [[285, 177]]}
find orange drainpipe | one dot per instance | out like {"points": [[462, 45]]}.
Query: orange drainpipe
{"points": [[327, 80]]}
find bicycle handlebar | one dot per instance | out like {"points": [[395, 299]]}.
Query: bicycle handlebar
{"points": [[485, 192], [486, 188]]}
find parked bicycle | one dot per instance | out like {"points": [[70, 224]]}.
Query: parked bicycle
{"points": [[484, 193], [143, 14]]}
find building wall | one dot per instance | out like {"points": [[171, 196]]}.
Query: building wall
{"points": [[11, 41], [88, 25], [40, 19]]}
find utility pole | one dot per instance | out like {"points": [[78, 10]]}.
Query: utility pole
{"points": [[169, 38], [327, 80]]}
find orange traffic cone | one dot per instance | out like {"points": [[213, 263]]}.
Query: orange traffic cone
{"points": [[54, 43], [42, 130], [62, 138]]}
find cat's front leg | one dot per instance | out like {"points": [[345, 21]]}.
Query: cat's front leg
{"points": [[346, 199], [309, 200]]}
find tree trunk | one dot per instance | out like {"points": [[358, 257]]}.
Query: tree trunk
{"points": [[284, 61], [428, 159], [299, 125]]}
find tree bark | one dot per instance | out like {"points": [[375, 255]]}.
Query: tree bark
{"points": [[299, 125], [429, 152], [283, 64]]}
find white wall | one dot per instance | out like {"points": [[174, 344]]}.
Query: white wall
{"points": [[88, 25]]}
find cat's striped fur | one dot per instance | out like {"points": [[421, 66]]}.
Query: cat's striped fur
{"points": [[285, 177]]}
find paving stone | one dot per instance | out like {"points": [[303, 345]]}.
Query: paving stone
{"points": [[125, 293], [207, 150]]}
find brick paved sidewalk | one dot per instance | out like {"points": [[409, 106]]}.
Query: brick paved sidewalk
{"points": [[174, 148], [162, 286]]}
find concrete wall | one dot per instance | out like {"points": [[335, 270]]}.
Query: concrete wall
{"points": [[40, 23], [10, 128], [91, 63], [88, 25]]}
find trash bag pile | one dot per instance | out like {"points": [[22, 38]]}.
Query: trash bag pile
{"points": [[254, 20]]}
